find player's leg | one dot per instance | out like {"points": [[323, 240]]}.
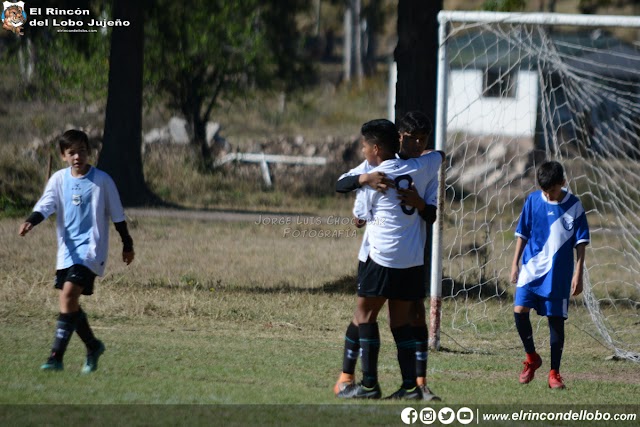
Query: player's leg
{"points": [[86, 278], [399, 321], [421, 335], [367, 309], [351, 348], [524, 301], [349, 357], [69, 298], [556, 315], [74, 282], [94, 346], [367, 318]]}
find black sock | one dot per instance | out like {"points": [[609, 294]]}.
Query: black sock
{"points": [[523, 325], [406, 345], [64, 329], [351, 349], [369, 350], [421, 335], [556, 340], [84, 331]]}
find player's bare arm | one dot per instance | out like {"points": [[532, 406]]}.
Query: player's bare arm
{"points": [[25, 227], [127, 242], [410, 197], [376, 180], [577, 282], [128, 257], [515, 265], [34, 219]]}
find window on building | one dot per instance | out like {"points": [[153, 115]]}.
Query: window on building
{"points": [[499, 83]]}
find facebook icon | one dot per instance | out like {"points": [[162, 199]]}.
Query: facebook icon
{"points": [[409, 415]]}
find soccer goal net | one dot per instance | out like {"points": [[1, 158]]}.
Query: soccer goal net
{"points": [[515, 90]]}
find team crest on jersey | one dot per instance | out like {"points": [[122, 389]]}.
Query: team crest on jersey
{"points": [[567, 222], [76, 199]]}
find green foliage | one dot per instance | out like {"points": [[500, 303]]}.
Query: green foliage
{"points": [[214, 50], [21, 182], [69, 66], [76, 75], [504, 5]]}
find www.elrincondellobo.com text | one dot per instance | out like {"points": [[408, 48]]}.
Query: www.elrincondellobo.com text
{"points": [[568, 415]]}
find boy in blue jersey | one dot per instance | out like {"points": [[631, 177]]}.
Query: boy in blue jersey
{"points": [[414, 129], [84, 199], [392, 270], [553, 223]]}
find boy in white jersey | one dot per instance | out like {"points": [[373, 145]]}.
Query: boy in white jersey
{"points": [[84, 199], [394, 269], [414, 129], [553, 223]]}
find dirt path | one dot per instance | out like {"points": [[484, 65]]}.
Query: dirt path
{"points": [[206, 215]]}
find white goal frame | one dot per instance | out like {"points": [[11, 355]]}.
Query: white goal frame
{"points": [[445, 18]]}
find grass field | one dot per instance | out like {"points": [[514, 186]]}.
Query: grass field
{"points": [[241, 313]]}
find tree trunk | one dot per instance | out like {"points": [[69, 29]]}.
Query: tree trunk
{"points": [[347, 44], [371, 36], [200, 140], [357, 39], [416, 55], [121, 155]]}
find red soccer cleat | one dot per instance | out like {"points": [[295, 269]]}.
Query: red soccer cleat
{"points": [[532, 363], [555, 380]]}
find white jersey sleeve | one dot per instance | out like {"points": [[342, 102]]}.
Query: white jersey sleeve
{"points": [[49, 201], [431, 192], [363, 204], [112, 200]]}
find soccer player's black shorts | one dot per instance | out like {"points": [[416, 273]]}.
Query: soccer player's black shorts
{"points": [[375, 280], [78, 275]]}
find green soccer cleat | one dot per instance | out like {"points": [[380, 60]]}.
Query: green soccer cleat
{"points": [[91, 363], [414, 393], [52, 365], [358, 391]]}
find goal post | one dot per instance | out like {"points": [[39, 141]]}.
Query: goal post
{"points": [[515, 89]]}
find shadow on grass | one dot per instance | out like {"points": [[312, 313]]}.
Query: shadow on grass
{"points": [[345, 285]]}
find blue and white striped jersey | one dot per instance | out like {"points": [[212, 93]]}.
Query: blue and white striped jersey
{"points": [[552, 231]]}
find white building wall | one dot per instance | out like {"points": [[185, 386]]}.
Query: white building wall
{"points": [[468, 111]]}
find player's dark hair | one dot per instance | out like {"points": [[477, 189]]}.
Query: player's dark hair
{"points": [[382, 132], [549, 174], [71, 138], [415, 122]]}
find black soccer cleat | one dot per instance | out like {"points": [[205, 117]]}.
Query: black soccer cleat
{"points": [[91, 362], [52, 365], [414, 393], [358, 391]]}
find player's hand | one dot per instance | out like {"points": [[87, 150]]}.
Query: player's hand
{"points": [[359, 223], [128, 257], [515, 272], [576, 285], [376, 180], [410, 197], [25, 228]]}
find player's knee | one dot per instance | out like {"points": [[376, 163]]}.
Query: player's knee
{"points": [[70, 295]]}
